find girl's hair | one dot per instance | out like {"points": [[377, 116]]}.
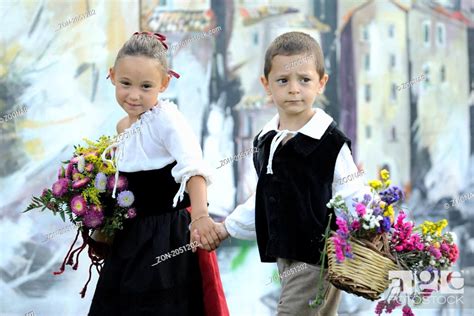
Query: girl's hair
{"points": [[148, 45], [294, 43]]}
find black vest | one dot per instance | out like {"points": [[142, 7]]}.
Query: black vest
{"points": [[290, 210]]}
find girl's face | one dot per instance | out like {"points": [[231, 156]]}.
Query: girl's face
{"points": [[138, 81]]}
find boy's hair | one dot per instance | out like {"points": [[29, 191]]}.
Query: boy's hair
{"points": [[294, 43], [146, 45]]}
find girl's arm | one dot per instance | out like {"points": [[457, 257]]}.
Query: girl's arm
{"points": [[200, 219]]}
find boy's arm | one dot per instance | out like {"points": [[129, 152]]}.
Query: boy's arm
{"points": [[240, 223], [348, 180]]}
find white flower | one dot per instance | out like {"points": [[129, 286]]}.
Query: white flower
{"points": [[369, 211], [372, 224], [365, 226], [432, 262], [428, 238], [81, 163]]}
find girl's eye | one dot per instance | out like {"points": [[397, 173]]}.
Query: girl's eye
{"points": [[146, 86], [125, 83]]}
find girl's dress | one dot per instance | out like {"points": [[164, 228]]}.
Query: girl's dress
{"points": [[158, 156]]}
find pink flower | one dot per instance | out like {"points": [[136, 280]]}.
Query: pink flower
{"points": [[96, 208], [89, 167], [93, 219], [78, 205], [122, 183], [355, 225], [407, 311], [131, 213], [360, 209], [68, 171], [60, 187], [80, 183]]}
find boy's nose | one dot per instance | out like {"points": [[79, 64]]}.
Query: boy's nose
{"points": [[294, 88]]}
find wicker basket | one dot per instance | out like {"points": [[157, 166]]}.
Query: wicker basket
{"points": [[366, 274]]}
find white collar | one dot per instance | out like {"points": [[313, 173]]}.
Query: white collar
{"points": [[315, 128]]}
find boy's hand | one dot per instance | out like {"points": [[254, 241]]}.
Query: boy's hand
{"points": [[221, 231], [205, 233]]}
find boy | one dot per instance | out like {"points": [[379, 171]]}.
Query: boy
{"points": [[301, 155]]}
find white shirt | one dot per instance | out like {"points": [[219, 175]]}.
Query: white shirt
{"points": [[158, 138], [241, 222]]}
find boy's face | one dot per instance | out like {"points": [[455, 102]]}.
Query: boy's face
{"points": [[138, 81], [294, 83]]}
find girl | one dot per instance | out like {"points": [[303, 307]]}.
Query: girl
{"points": [[149, 270]]}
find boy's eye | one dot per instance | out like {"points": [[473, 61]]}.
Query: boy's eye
{"points": [[281, 81], [306, 79]]}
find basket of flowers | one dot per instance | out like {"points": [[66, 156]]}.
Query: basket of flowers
{"points": [[85, 193], [359, 253]]}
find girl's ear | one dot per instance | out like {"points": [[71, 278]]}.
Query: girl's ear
{"points": [[265, 85], [165, 83], [112, 75]]}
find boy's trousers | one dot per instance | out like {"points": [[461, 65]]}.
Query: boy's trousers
{"points": [[299, 285]]}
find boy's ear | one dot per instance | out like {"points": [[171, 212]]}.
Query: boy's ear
{"points": [[265, 84], [165, 83], [322, 83]]}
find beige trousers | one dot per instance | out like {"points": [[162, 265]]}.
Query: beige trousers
{"points": [[299, 285]]}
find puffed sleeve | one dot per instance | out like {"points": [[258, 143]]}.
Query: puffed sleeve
{"points": [[179, 139]]}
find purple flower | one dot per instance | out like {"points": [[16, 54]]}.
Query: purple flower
{"points": [[122, 183], [100, 182], [60, 187], [125, 198], [131, 213], [80, 183], [68, 171], [78, 205], [93, 219], [392, 195], [385, 224], [367, 198]]}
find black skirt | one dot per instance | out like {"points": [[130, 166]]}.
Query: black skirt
{"points": [[133, 280]]}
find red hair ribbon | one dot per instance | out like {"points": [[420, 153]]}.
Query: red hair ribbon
{"points": [[174, 74], [159, 36]]}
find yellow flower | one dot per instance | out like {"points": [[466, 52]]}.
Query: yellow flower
{"points": [[389, 211], [387, 183], [436, 244], [383, 205], [375, 184], [385, 174]]}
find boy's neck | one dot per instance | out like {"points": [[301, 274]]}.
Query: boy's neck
{"points": [[294, 122]]}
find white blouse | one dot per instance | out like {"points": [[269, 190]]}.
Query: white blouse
{"points": [[159, 137]]}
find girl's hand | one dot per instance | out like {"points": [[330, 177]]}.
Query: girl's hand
{"points": [[205, 233]]}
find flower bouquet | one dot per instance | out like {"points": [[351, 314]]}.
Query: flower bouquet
{"points": [[423, 251], [85, 193], [363, 238]]}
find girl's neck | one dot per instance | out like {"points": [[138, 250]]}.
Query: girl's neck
{"points": [[294, 122]]}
